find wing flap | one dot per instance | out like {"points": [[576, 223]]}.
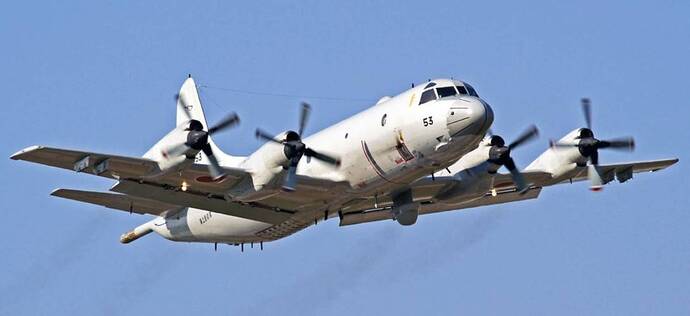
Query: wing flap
{"points": [[504, 181], [488, 199], [116, 201]]}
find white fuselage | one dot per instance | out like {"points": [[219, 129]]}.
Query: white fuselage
{"points": [[388, 145], [382, 150]]}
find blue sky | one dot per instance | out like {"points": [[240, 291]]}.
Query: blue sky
{"points": [[101, 77]]}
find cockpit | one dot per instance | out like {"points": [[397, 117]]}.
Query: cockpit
{"points": [[434, 91]]}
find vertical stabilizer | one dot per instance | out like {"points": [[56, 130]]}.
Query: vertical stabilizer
{"points": [[189, 99]]}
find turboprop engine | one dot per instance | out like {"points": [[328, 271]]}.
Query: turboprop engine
{"points": [[284, 152], [588, 146], [478, 167], [181, 145]]}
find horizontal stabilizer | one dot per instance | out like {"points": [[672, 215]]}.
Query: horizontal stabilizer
{"points": [[116, 201], [201, 201]]}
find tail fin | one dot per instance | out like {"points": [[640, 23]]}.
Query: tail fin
{"points": [[189, 98]]}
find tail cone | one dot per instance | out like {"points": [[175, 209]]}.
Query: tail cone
{"points": [[136, 233]]}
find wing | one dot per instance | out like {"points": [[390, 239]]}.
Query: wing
{"points": [[428, 208], [424, 190], [620, 171], [80, 161], [427, 188], [134, 175], [132, 168], [116, 201]]}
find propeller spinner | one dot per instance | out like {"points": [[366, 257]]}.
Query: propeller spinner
{"points": [[499, 154], [294, 148]]}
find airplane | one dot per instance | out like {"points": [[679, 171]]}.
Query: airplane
{"points": [[428, 149]]}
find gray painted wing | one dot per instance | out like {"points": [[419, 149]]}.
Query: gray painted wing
{"points": [[488, 199], [122, 167], [116, 201], [622, 171]]}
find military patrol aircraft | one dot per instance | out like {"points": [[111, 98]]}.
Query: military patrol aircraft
{"points": [[426, 150]]}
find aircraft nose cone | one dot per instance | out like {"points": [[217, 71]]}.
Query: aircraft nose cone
{"points": [[469, 116]]}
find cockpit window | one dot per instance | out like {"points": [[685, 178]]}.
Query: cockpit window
{"points": [[446, 91], [428, 95], [471, 90], [430, 84], [461, 89]]}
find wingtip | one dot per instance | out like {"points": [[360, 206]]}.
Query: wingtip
{"points": [[17, 155], [62, 193]]}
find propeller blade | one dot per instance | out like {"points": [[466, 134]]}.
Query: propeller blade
{"points": [[304, 117], [587, 110], [266, 136], [596, 183], [594, 157], [626, 143], [325, 158], [229, 121], [527, 135], [291, 178], [175, 150], [214, 167], [516, 175], [553, 143]]}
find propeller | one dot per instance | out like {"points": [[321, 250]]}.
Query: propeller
{"points": [[198, 138], [295, 149], [589, 145], [499, 154]]}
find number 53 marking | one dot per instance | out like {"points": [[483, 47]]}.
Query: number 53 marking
{"points": [[428, 121]]}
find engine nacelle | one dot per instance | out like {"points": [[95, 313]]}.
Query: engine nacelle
{"points": [[470, 184], [473, 176], [266, 166], [560, 161], [166, 162]]}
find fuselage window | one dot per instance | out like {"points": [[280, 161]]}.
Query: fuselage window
{"points": [[471, 91], [383, 119], [428, 95], [446, 92], [461, 89]]}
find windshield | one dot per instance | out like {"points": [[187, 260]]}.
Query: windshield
{"points": [[446, 92], [427, 96], [471, 90], [461, 89]]}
